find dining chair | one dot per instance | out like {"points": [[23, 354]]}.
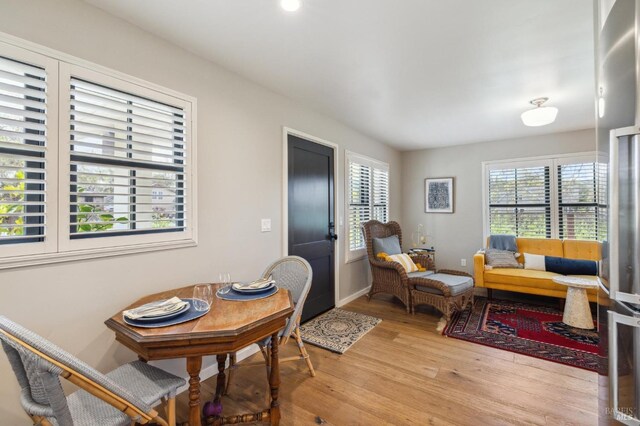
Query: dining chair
{"points": [[294, 274], [122, 397]]}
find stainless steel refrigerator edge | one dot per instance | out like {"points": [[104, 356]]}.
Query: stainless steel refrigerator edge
{"points": [[617, 72]]}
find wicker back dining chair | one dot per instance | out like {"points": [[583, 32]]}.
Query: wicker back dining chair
{"points": [[294, 274], [122, 397]]}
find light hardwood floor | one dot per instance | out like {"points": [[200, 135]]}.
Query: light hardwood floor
{"points": [[404, 372]]}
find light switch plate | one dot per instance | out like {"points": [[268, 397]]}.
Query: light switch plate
{"points": [[266, 225]]}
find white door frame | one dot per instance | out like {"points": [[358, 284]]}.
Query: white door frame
{"points": [[286, 131]]}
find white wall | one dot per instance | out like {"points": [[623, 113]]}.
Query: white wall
{"points": [[239, 124], [459, 235]]}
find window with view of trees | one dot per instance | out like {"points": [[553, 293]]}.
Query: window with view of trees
{"points": [[546, 198], [581, 213], [367, 198], [519, 202], [127, 163], [86, 154]]}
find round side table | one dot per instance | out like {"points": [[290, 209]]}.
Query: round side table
{"points": [[576, 309]]}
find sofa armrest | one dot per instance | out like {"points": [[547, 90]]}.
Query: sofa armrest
{"points": [[478, 269]]}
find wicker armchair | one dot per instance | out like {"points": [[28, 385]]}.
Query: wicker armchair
{"points": [[441, 290], [386, 277]]}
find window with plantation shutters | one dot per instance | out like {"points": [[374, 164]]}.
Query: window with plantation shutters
{"points": [[562, 197], [127, 163], [367, 198], [92, 162], [578, 202], [519, 201], [25, 133]]}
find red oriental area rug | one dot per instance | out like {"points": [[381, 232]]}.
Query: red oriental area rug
{"points": [[526, 329]]}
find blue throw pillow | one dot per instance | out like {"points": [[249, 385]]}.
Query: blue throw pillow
{"points": [[389, 245], [564, 266]]}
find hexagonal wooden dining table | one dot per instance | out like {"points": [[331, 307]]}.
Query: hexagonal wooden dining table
{"points": [[228, 327]]}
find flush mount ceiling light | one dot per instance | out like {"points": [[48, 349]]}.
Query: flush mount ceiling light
{"points": [[290, 5], [539, 116]]}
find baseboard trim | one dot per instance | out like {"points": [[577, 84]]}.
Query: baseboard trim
{"points": [[212, 370], [353, 297]]}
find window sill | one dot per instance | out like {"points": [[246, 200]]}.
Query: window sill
{"points": [[71, 256], [357, 258]]}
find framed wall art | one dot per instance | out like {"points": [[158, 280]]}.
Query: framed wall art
{"points": [[438, 195]]}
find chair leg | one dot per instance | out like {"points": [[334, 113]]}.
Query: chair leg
{"points": [[171, 411], [232, 367], [303, 351]]}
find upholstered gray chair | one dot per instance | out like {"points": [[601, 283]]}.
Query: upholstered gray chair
{"points": [[124, 396], [294, 274]]}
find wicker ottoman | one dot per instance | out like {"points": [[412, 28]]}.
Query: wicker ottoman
{"points": [[446, 290]]}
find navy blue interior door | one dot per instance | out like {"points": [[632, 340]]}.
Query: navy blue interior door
{"points": [[311, 218]]}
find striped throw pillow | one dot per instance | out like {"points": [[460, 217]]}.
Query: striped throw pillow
{"points": [[501, 259], [405, 261]]}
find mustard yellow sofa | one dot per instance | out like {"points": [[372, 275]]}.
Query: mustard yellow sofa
{"points": [[533, 281]]}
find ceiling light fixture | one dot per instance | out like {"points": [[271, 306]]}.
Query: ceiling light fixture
{"points": [[539, 116], [290, 5]]}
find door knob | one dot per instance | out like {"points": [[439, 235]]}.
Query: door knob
{"points": [[332, 235]]}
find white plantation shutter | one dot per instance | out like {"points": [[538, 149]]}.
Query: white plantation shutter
{"points": [[367, 196], [24, 146], [578, 208], [520, 201], [603, 200], [359, 202], [380, 195], [563, 197], [127, 163]]}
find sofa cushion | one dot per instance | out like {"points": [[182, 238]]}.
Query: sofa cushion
{"points": [[389, 245], [534, 261], [581, 249], [570, 266], [546, 247], [501, 259], [456, 283], [526, 277]]}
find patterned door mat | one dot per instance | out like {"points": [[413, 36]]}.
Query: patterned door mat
{"points": [[526, 329], [337, 329]]}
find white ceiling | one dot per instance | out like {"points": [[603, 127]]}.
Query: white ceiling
{"points": [[411, 73]]}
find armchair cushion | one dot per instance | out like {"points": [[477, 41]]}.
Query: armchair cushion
{"points": [[404, 260], [389, 245], [420, 274], [457, 283]]}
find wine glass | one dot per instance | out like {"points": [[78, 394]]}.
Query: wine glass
{"points": [[202, 297], [224, 278]]}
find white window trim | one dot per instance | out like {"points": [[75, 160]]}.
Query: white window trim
{"points": [[547, 160], [51, 159], [54, 249], [355, 255]]}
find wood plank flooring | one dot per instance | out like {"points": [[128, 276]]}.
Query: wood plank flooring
{"points": [[404, 372]]}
